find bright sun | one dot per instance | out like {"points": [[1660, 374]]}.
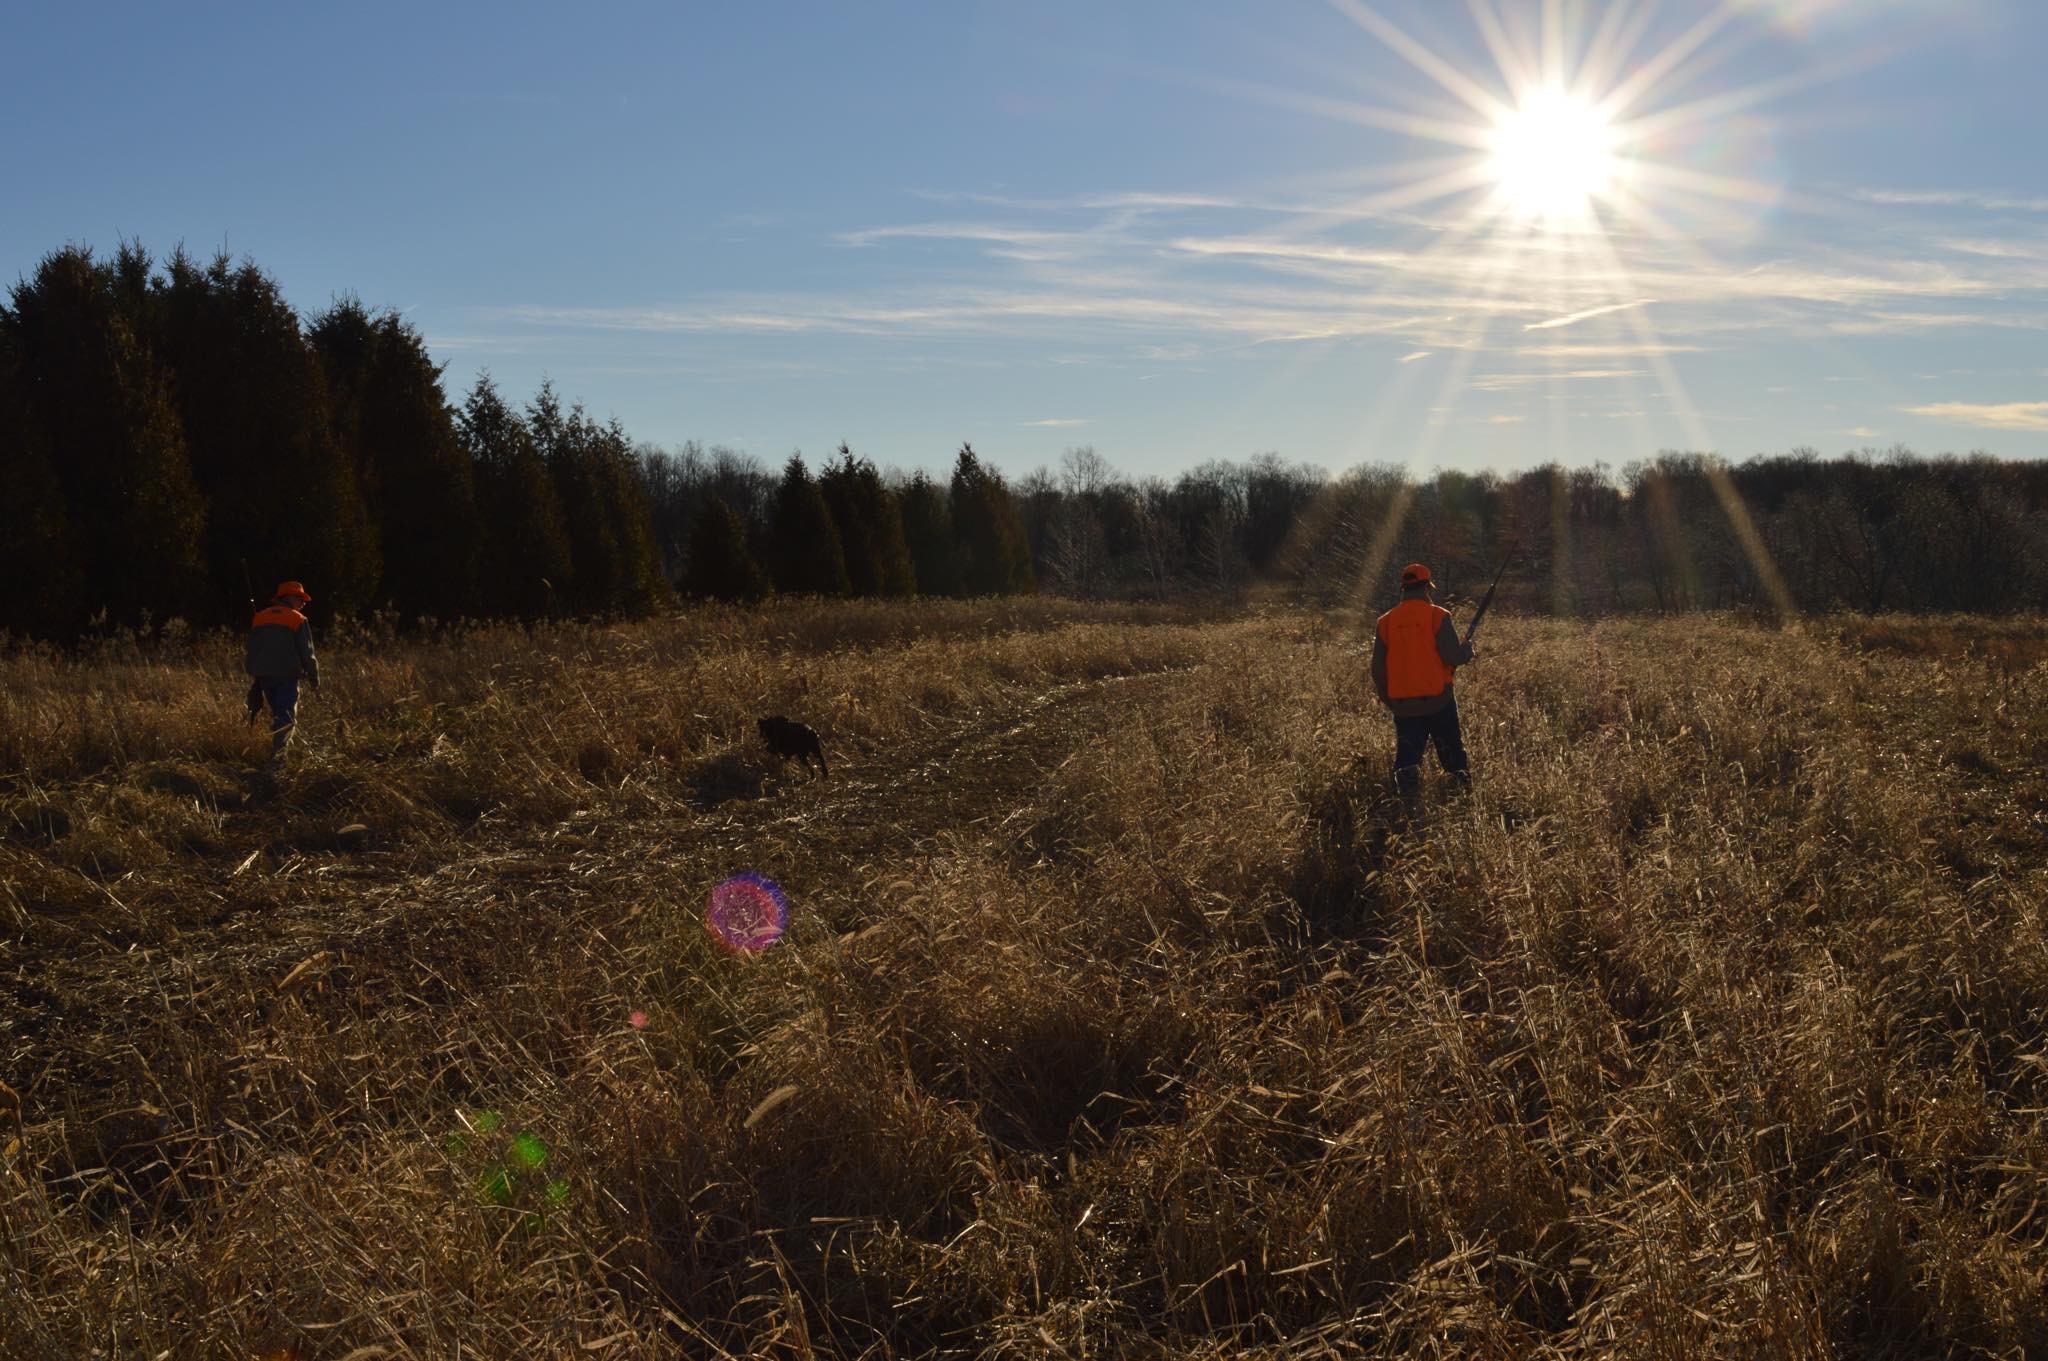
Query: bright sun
{"points": [[1553, 157]]}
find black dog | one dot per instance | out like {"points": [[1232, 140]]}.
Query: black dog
{"points": [[787, 738]]}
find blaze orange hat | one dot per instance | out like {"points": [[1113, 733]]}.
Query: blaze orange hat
{"points": [[1415, 574], [292, 590]]}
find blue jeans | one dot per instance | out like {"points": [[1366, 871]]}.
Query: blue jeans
{"points": [[281, 693], [1411, 735]]}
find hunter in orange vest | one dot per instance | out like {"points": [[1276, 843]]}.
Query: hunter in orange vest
{"points": [[1415, 656], [280, 654]]}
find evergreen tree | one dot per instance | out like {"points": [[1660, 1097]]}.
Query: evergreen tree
{"points": [[566, 442], [617, 567], [894, 575], [720, 567], [284, 496], [808, 559], [36, 543], [870, 527], [838, 484], [995, 559], [927, 516], [391, 415], [524, 550], [95, 406], [641, 587]]}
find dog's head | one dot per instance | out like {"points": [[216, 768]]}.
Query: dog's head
{"points": [[770, 724]]}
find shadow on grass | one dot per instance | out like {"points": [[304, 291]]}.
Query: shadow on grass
{"points": [[724, 778], [1352, 821]]}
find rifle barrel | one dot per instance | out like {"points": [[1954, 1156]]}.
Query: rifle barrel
{"points": [[1487, 599]]}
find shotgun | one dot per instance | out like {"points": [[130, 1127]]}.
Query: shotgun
{"points": [[1487, 599]]}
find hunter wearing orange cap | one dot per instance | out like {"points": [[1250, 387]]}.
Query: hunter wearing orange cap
{"points": [[280, 652], [1415, 654]]}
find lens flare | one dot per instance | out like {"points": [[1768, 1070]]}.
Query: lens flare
{"points": [[526, 1152], [747, 913], [505, 1169]]}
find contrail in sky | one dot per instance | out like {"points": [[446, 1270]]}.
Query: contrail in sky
{"points": [[1581, 316]]}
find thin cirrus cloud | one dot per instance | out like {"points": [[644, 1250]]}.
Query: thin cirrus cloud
{"points": [[1952, 198], [1504, 382], [1988, 416], [1150, 272], [1057, 422]]}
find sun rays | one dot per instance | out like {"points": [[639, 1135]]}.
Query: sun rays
{"points": [[1558, 158]]}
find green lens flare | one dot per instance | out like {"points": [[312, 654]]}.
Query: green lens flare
{"points": [[505, 1167], [495, 1186], [526, 1152]]}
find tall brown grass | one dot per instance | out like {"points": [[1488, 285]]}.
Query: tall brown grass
{"points": [[1124, 1011]]}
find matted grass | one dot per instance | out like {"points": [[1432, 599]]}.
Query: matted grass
{"points": [[1124, 1012]]}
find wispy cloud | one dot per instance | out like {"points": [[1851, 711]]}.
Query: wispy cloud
{"points": [[1129, 201], [1953, 198], [1169, 354], [1626, 349], [942, 231], [1991, 248], [1056, 422], [1587, 315], [1998, 416], [1889, 322], [1027, 245], [1179, 276], [1502, 382]]}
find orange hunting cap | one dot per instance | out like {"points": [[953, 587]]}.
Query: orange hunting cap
{"points": [[292, 590], [1415, 574]]}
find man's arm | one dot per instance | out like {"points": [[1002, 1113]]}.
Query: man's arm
{"points": [[1379, 668], [307, 661], [1453, 652]]}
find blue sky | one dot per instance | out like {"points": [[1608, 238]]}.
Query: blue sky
{"points": [[1173, 231]]}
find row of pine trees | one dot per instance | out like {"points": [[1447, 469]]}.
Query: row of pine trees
{"points": [[175, 437], [847, 532]]}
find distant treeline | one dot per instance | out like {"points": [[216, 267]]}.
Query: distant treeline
{"points": [[1680, 531], [174, 434], [1871, 531]]}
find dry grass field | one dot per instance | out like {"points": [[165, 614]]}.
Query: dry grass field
{"points": [[1123, 1012]]}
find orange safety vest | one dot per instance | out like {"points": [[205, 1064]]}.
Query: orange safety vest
{"points": [[1408, 632], [284, 616]]}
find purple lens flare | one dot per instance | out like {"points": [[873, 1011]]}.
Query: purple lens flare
{"points": [[747, 913]]}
